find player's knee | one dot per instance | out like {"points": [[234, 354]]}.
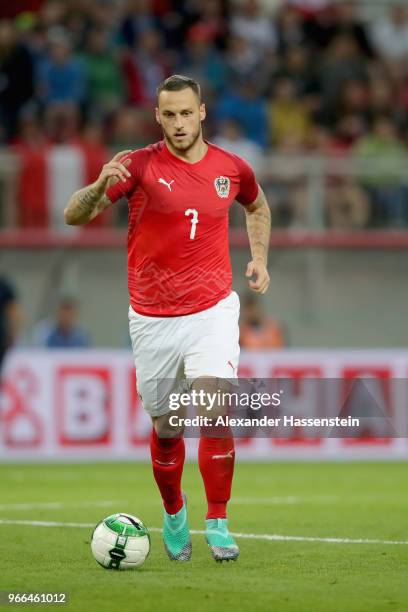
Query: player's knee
{"points": [[214, 396], [168, 428]]}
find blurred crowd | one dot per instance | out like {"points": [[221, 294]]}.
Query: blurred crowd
{"points": [[304, 77]]}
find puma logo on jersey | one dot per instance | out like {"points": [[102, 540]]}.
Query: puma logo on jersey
{"points": [[163, 182], [229, 455]]}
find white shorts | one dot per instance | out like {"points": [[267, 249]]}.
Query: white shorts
{"points": [[183, 348]]}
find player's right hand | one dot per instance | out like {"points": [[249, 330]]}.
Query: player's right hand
{"points": [[114, 171]]}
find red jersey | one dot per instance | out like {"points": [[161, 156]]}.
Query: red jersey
{"points": [[178, 247]]}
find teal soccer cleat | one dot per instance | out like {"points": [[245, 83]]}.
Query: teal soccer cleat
{"points": [[220, 541], [176, 534]]}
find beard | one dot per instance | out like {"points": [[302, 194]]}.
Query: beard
{"points": [[187, 143]]}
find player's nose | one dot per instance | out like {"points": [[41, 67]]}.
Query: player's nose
{"points": [[179, 123]]}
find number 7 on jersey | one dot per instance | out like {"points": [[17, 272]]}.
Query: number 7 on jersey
{"points": [[194, 221]]}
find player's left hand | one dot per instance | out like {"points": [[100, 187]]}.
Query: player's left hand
{"points": [[258, 274]]}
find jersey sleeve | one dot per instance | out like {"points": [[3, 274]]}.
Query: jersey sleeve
{"points": [[248, 190], [136, 168]]}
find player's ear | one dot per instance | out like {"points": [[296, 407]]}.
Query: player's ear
{"points": [[203, 112], [158, 116]]}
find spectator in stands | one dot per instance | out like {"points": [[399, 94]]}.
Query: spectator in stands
{"points": [[347, 205], [353, 99], [258, 331], [202, 61], [290, 29], [53, 13], [390, 34], [16, 79], [310, 9], [138, 18], [335, 19], [250, 24], [10, 317], [389, 97], [383, 97], [348, 22], [212, 17], [298, 67], [64, 331], [346, 131], [289, 191], [145, 66], [61, 76], [287, 113], [248, 108], [230, 137], [242, 61], [62, 123], [342, 63], [383, 161], [103, 74], [104, 15]]}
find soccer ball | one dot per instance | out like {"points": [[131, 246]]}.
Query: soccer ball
{"points": [[121, 541]]}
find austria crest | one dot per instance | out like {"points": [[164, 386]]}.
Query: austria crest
{"points": [[222, 186]]}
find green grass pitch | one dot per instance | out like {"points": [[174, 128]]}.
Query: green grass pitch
{"points": [[355, 501]]}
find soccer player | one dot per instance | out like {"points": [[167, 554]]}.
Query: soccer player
{"points": [[183, 314]]}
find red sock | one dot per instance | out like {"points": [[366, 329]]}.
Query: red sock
{"points": [[216, 461], [167, 461]]}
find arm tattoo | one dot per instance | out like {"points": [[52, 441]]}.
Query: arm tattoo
{"points": [[258, 220], [85, 205]]}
